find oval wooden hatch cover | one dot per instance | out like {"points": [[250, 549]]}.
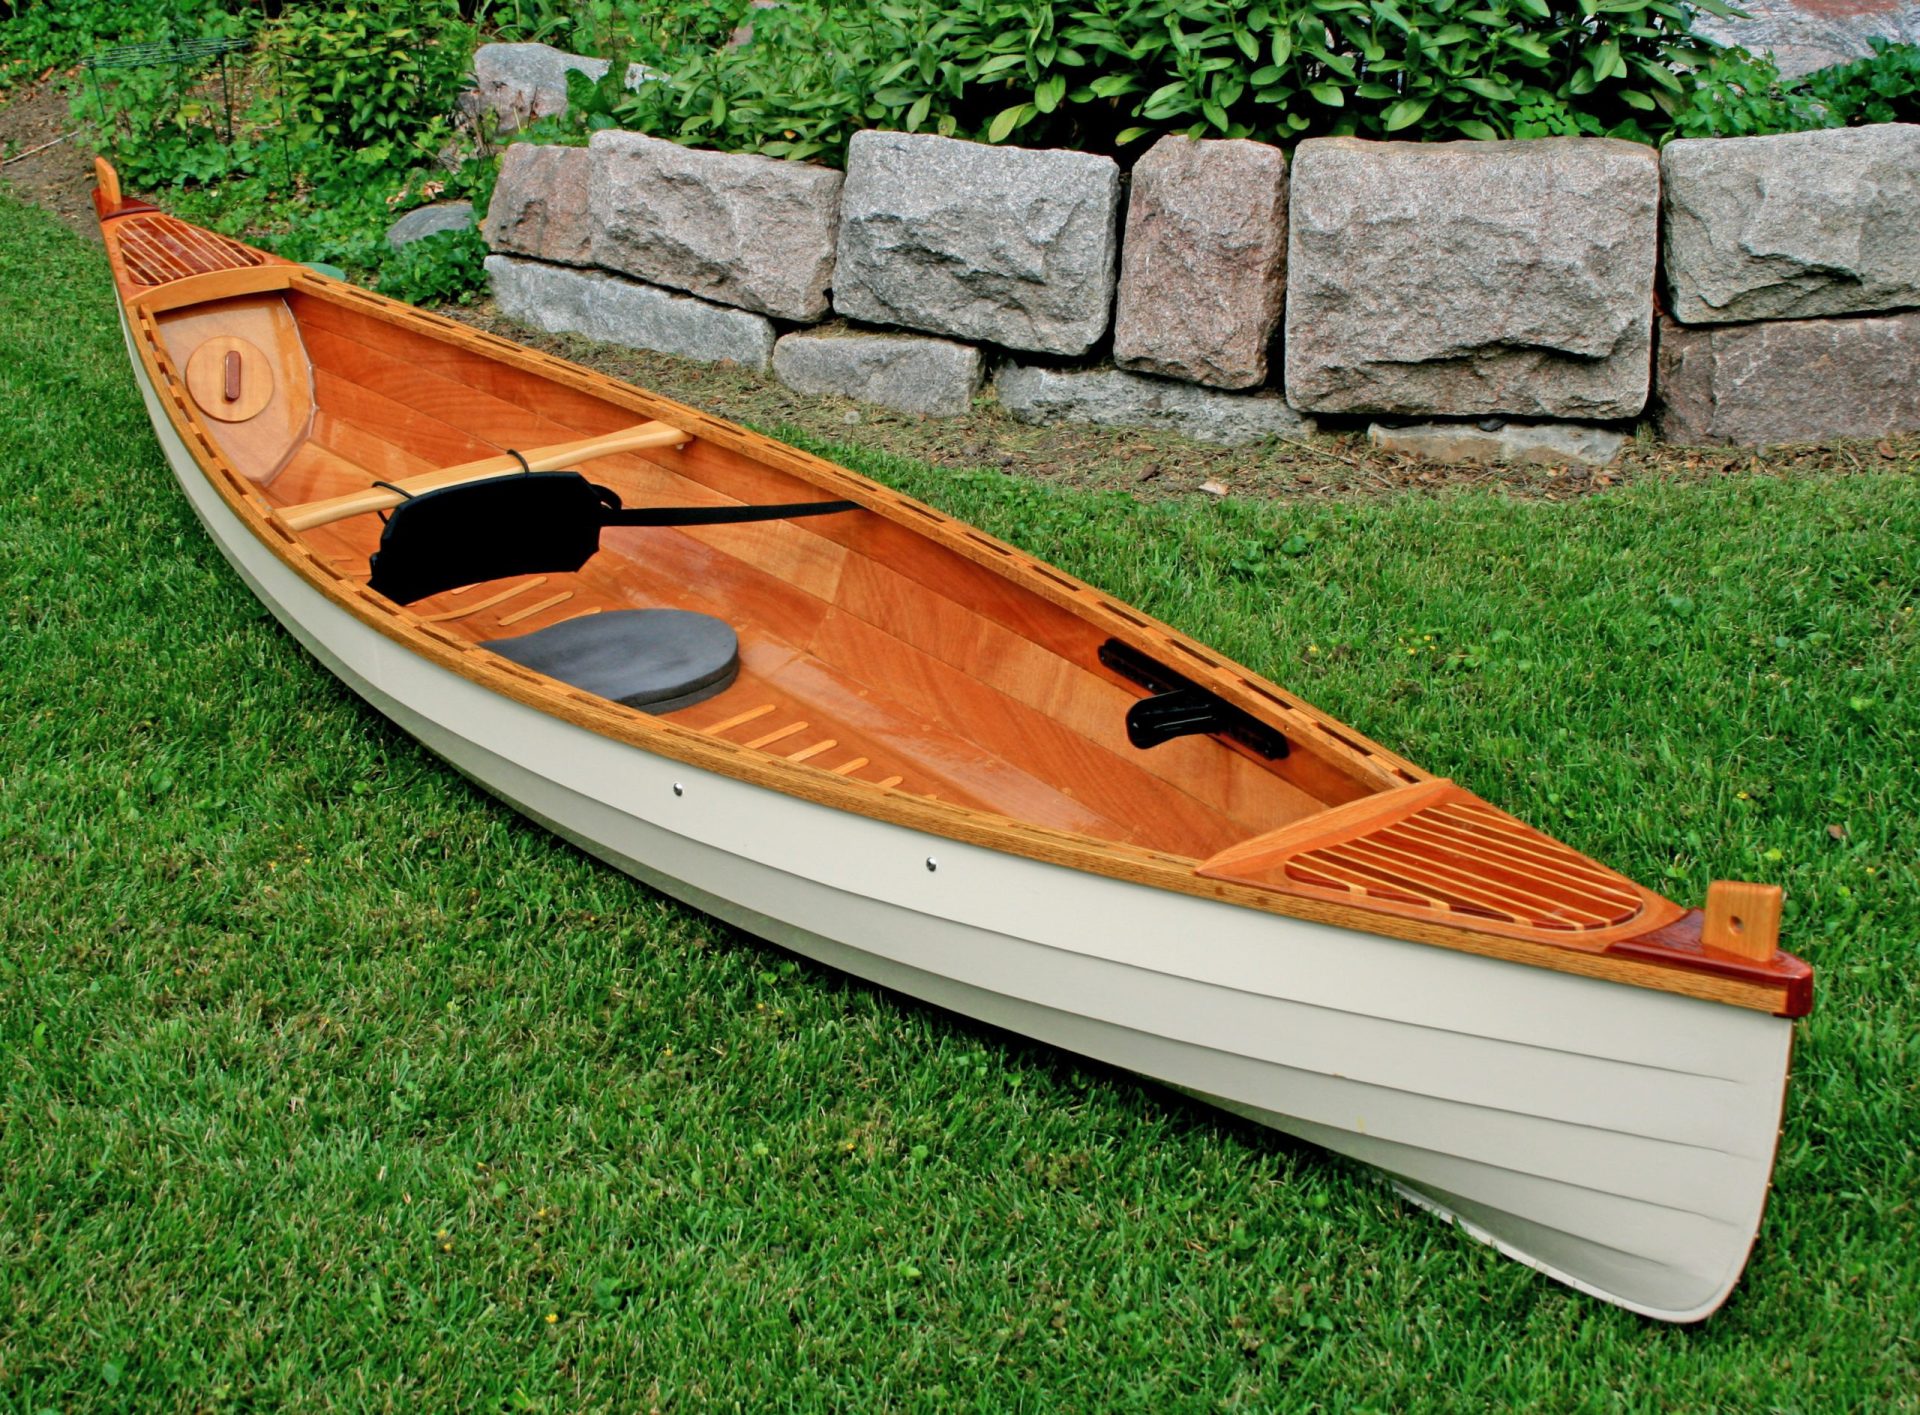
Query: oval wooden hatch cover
{"points": [[230, 379]]}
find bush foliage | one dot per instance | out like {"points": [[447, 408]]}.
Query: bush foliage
{"points": [[1882, 88], [380, 75], [345, 108], [1104, 74], [1744, 96], [343, 118]]}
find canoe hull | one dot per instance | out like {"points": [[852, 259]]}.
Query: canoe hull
{"points": [[1617, 1138]]}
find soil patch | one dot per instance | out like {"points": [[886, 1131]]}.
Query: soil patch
{"points": [[40, 163], [1156, 465]]}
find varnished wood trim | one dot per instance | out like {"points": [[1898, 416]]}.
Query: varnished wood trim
{"points": [[106, 196], [1742, 919], [217, 285]]}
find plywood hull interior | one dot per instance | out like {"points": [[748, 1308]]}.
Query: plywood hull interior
{"points": [[865, 650]]}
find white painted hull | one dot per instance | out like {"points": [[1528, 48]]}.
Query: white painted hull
{"points": [[1615, 1137]]}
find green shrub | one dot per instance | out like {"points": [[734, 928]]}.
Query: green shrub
{"points": [[378, 78], [1882, 88], [1743, 95], [647, 30], [37, 35], [1740, 95], [449, 267], [1104, 74]]}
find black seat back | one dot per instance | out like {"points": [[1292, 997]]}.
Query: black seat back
{"points": [[534, 523]]}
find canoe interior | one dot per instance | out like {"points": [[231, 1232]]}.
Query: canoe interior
{"points": [[924, 660], [866, 650]]}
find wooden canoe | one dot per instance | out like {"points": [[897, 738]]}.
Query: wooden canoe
{"points": [[923, 768]]}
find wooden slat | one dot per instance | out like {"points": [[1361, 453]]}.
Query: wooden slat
{"points": [[1437, 851], [488, 603], [533, 609], [779, 734], [720, 729]]}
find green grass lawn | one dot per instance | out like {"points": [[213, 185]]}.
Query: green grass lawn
{"points": [[328, 1083]]}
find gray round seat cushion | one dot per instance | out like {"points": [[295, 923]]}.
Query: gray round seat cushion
{"points": [[653, 659]]}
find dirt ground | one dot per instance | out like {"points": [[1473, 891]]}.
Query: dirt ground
{"points": [[1150, 465], [57, 175], [1156, 465]]}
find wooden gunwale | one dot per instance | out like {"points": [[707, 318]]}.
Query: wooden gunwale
{"points": [[1663, 961]]}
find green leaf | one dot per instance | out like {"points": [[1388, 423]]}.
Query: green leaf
{"points": [[1405, 113], [1330, 94], [1047, 96], [1634, 98], [1127, 135], [1007, 119], [1660, 75], [917, 114], [1488, 89], [1387, 11]]}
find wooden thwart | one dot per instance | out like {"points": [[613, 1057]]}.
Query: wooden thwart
{"points": [[540, 459]]}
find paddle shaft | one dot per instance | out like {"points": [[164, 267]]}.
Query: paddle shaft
{"points": [[540, 459]]}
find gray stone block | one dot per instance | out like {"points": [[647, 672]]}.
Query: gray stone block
{"points": [[1799, 380], [745, 230], [1115, 398], [1804, 35], [606, 307], [520, 82], [426, 221], [1468, 278], [910, 372], [1007, 245], [1794, 225], [1203, 270], [539, 205], [1541, 444]]}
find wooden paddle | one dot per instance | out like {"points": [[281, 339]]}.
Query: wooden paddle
{"points": [[307, 515]]}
